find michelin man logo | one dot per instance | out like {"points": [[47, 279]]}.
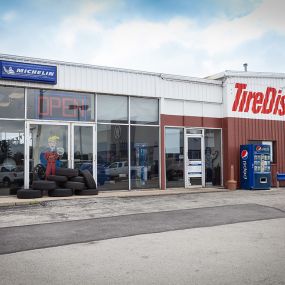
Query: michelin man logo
{"points": [[9, 70]]}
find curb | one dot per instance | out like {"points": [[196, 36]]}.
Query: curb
{"points": [[121, 194], [18, 203]]}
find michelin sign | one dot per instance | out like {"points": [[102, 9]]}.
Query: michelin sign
{"points": [[11, 70]]}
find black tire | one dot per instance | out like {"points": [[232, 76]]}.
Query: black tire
{"points": [[78, 179], [68, 172], [86, 192], [44, 185], [57, 178], [29, 194], [89, 180], [74, 185], [60, 192]]}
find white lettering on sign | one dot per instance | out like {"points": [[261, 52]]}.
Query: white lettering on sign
{"points": [[34, 71]]}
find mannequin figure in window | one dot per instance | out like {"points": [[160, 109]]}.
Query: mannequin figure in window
{"points": [[50, 157], [210, 156]]}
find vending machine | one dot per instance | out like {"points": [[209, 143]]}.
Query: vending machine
{"points": [[255, 172]]}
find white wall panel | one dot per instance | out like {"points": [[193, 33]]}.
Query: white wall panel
{"points": [[212, 110], [173, 107], [189, 91], [88, 78], [193, 108]]}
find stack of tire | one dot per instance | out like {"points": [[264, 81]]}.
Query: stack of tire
{"points": [[64, 183]]}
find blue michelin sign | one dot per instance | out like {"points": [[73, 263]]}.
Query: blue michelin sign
{"points": [[28, 72]]}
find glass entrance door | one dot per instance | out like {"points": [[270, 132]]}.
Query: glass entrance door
{"points": [[52, 145], [194, 161], [48, 149]]}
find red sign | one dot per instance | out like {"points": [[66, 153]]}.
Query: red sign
{"points": [[63, 107], [269, 102], [244, 154]]}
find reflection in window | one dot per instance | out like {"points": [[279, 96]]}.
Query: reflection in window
{"points": [[144, 111], [194, 148], [60, 105], [112, 162], [112, 109], [213, 157], [12, 102], [83, 147], [11, 156], [144, 157], [174, 157]]}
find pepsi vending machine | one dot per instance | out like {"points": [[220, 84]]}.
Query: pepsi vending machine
{"points": [[255, 170]]}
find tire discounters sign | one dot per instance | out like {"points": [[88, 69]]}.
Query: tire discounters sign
{"points": [[264, 102], [11, 70]]}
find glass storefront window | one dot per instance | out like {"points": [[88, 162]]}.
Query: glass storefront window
{"points": [[213, 157], [11, 156], [144, 111], [60, 105], [48, 150], [144, 157], [174, 157], [12, 103], [83, 147], [112, 109], [112, 157]]}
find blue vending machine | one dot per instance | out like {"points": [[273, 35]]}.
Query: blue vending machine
{"points": [[255, 172]]}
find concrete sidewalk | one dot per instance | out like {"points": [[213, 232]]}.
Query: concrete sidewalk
{"points": [[12, 200]]}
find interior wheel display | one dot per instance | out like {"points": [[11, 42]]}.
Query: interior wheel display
{"points": [[40, 171]]}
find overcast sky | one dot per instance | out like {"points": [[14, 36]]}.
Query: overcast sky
{"points": [[185, 37]]}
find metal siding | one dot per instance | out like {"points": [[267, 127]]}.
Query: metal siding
{"points": [[193, 109], [238, 131], [212, 110], [189, 91], [87, 78], [173, 107]]}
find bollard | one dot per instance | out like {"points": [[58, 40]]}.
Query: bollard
{"points": [[232, 184]]}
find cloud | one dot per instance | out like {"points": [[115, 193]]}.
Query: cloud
{"points": [[270, 16], [9, 16], [175, 44]]}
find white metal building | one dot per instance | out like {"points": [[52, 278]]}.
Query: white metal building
{"points": [[131, 129]]}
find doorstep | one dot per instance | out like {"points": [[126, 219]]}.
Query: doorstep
{"points": [[12, 200]]}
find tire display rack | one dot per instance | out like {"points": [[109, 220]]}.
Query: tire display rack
{"points": [[66, 182]]}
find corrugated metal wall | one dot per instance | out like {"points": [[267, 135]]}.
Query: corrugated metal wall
{"points": [[192, 108], [239, 131], [87, 78], [241, 127]]}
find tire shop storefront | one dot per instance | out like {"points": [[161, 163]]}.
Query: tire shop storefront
{"points": [[130, 129], [254, 110]]}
